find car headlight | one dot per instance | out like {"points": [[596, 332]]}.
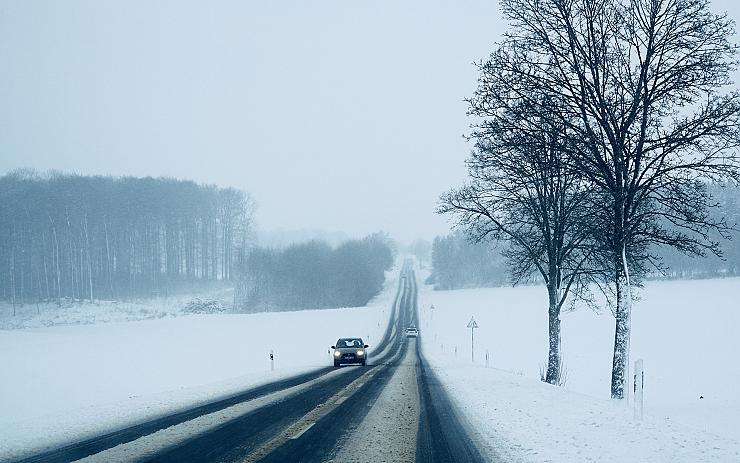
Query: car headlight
{"points": [[360, 352], [337, 353]]}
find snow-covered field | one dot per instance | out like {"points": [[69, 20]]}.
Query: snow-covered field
{"points": [[46, 314], [67, 382], [685, 331]]}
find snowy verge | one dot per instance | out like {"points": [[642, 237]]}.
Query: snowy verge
{"points": [[524, 420], [68, 312], [676, 325]]}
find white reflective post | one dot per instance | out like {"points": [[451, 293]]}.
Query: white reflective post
{"points": [[639, 383], [272, 360]]}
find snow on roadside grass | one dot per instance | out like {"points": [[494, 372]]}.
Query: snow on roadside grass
{"points": [[45, 314], [65, 383], [522, 419], [683, 330]]}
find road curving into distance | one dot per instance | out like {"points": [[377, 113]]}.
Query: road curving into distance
{"points": [[392, 410]]}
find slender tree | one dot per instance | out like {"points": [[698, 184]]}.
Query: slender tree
{"points": [[524, 192]]}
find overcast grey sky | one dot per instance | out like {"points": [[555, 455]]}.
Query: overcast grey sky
{"points": [[340, 115]]}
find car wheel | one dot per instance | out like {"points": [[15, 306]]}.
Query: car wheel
{"points": [[336, 364], [364, 362]]}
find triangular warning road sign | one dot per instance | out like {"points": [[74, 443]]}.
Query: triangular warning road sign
{"points": [[472, 323]]}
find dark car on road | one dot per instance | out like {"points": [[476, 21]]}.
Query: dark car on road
{"points": [[350, 350]]}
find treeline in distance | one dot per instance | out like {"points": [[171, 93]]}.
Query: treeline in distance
{"points": [[82, 237], [457, 262], [314, 275]]}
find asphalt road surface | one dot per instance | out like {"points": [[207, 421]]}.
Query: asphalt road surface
{"points": [[392, 410]]}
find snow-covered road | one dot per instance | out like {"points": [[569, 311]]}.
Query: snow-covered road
{"points": [[388, 432]]}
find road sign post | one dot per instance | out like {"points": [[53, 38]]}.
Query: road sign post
{"points": [[472, 325]]}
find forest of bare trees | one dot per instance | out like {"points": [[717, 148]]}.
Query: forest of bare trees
{"points": [[81, 237], [314, 275], [459, 263]]}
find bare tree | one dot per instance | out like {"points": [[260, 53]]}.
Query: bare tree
{"points": [[524, 192], [640, 84], [115, 237]]}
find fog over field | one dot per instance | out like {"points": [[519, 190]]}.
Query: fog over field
{"points": [[225, 227]]}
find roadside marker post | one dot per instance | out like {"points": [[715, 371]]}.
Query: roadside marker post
{"points": [[487, 364], [639, 384], [272, 360], [473, 325]]}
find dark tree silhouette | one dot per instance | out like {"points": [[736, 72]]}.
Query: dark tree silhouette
{"points": [[313, 275], [458, 262], [76, 237], [640, 85], [523, 191]]}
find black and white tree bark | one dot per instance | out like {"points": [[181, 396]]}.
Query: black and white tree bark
{"points": [[642, 85]]}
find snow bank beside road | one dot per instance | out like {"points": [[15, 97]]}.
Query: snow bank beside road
{"points": [[524, 420], [685, 332], [68, 382]]}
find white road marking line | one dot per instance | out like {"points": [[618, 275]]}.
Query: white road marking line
{"points": [[315, 415], [146, 446]]}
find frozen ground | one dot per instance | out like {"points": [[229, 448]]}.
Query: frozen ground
{"points": [[46, 314], [685, 331], [66, 382]]}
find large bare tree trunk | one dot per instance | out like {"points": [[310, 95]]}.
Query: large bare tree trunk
{"points": [[622, 331], [553, 357]]}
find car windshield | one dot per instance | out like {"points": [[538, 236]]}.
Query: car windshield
{"points": [[349, 343]]}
